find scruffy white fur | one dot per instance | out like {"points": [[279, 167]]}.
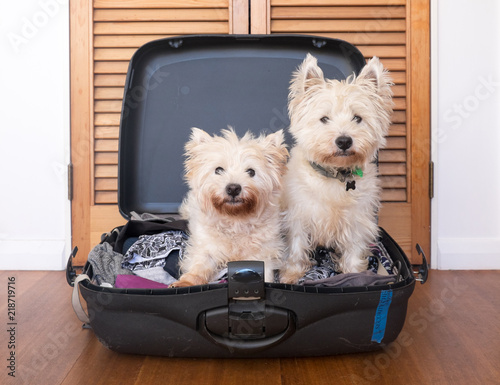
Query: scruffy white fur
{"points": [[317, 210], [226, 224]]}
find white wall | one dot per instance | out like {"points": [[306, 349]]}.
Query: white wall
{"points": [[466, 134], [34, 134]]}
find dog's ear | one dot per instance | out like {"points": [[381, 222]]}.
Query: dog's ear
{"points": [[275, 139], [312, 73], [198, 136], [275, 150], [193, 151], [374, 75], [308, 75]]}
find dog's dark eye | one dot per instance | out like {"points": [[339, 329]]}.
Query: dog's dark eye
{"points": [[219, 170], [325, 119], [357, 118], [251, 172]]}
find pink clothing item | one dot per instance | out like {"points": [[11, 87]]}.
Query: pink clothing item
{"points": [[124, 281]]}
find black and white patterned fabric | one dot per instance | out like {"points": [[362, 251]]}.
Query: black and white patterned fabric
{"points": [[327, 263], [381, 256], [151, 251]]}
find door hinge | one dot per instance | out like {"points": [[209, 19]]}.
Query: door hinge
{"points": [[70, 181], [431, 180]]}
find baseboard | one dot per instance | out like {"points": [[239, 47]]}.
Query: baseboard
{"points": [[468, 254], [33, 254]]}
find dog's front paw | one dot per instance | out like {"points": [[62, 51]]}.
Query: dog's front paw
{"points": [[295, 268], [181, 284], [188, 280], [353, 264], [291, 276], [289, 280]]}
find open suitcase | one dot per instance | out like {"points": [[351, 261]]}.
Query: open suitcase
{"points": [[210, 82]]}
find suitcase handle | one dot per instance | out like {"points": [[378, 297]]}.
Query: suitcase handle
{"points": [[245, 345], [75, 299]]}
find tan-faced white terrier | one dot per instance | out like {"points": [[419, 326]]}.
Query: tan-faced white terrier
{"points": [[331, 192], [233, 203]]}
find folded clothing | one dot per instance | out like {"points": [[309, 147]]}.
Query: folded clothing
{"points": [[137, 228], [365, 278], [106, 264], [157, 274]]}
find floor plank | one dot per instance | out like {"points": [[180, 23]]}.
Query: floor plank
{"points": [[211, 371], [49, 338], [451, 336], [98, 365]]}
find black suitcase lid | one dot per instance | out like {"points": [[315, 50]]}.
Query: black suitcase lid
{"points": [[210, 82]]}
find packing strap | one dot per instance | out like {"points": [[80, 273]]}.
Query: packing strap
{"points": [[75, 300]]}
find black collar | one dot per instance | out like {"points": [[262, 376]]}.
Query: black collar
{"points": [[344, 175]]}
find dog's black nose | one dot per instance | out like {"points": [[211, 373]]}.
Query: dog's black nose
{"points": [[344, 142], [233, 189]]}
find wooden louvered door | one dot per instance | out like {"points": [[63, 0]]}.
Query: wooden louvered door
{"points": [[105, 34], [397, 31]]}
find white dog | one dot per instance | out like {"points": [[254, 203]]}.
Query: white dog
{"points": [[331, 191], [233, 203]]}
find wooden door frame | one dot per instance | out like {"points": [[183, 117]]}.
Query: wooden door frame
{"points": [[81, 90], [420, 119]]}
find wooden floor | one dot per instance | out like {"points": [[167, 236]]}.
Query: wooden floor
{"points": [[451, 336]]}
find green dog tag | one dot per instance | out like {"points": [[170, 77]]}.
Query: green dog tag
{"points": [[357, 171]]}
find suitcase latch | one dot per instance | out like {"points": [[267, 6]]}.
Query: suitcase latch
{"points": [[245, 280], [246, 299], [70, 270]]}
